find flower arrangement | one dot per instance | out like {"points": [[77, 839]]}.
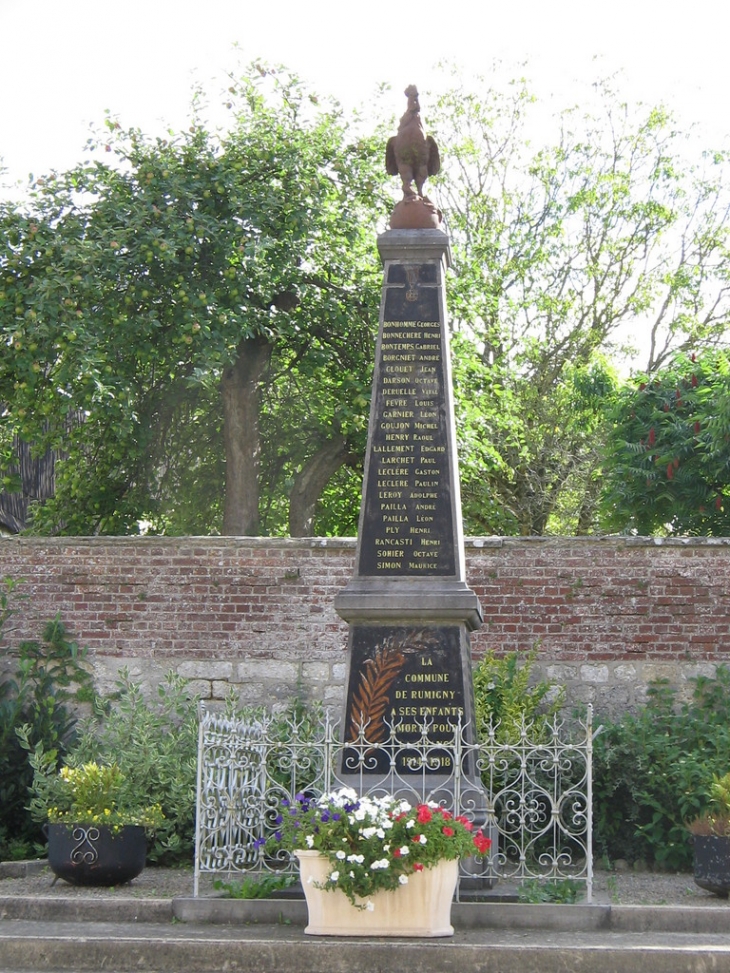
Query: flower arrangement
{"points": [[94, 794], [373, 843]]}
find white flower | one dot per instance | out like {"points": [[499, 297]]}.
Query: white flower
{"points": [[352, 874], [341, 855], [422, 839], [310, 879], [405, 850], [310, 840], [386, 848], [379, 832], [403, 879], [381, 864], [369, 832], [346, 795], [356, 858], [410, 824], [370, 907], [334, 876]]}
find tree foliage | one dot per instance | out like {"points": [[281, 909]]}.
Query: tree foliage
{"points": [[667, 467], [566, 251], [154, 305], [188, 325]]}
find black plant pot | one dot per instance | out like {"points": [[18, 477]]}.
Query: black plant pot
{"points": [[96, 855], [712, 863]]}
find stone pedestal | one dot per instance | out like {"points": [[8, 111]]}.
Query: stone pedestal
{"points": [[408, 604]]}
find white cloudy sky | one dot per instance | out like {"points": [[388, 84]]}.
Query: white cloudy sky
{"points": [[64, 62]]}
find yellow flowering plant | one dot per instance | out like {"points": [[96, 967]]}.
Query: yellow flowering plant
{"points": [[94, 793]]}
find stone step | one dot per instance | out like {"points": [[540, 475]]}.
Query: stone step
{"points": [[126, 935], [292, 911], [57, 947]]}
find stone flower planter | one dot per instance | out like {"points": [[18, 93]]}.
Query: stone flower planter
{"points": [[95, 854], [420, 908]]}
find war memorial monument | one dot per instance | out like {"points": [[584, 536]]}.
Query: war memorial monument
{"points": [[409, 608]]}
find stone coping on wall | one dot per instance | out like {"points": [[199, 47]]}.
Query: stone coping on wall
{"points": [[476, 542]]}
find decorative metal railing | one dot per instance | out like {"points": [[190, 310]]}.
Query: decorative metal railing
{"points": [[534, 797]]}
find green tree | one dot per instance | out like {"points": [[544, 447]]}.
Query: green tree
{"points": [[150, 309], [667, 465], [562, 252]]}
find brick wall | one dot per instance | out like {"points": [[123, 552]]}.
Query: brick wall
{"points": [[256, 614]]}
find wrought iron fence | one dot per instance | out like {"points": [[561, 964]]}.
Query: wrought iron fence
{"points": [[531, 791]]}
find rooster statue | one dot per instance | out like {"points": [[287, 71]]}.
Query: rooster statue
{"points": [[413, 155]]}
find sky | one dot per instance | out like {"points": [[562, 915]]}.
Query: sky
{"points": [[65, 62]]}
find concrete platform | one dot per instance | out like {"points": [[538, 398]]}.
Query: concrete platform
{"points": [[130, 935]]}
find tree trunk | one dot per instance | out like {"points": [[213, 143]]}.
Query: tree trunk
{"points": [[241, 392], [310, 483]]}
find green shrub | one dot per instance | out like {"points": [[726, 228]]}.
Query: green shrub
{"points": [[561, 890], [505, 698], [37, 708], [254, 887], [154, 744], [652, 768]]}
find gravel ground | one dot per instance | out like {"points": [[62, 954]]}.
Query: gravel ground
{"points": [[620, 887]]}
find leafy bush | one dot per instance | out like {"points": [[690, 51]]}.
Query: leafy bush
{"points": [[562, 890], [37, 708], [254, 887], [652, 771], [154, 744], [89, 794], [504, 698]]}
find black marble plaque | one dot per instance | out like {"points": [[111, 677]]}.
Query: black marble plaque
{"points": [[406, 678], [408, 526]]}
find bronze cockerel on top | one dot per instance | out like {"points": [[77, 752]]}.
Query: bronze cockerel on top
{"points": [[414, 156]]}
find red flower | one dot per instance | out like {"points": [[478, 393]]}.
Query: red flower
{"points": [[465, 821], [449, 832], [397, 853], [417, 867], [424, 814], [481, 843], [416, 838]]}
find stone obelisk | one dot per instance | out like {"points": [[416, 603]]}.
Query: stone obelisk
{"points": [[408, 604]]}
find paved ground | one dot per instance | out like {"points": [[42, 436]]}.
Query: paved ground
{"points": [[619, 887]]}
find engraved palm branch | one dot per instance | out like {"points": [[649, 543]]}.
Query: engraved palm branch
{"points": [[372, 696]]}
